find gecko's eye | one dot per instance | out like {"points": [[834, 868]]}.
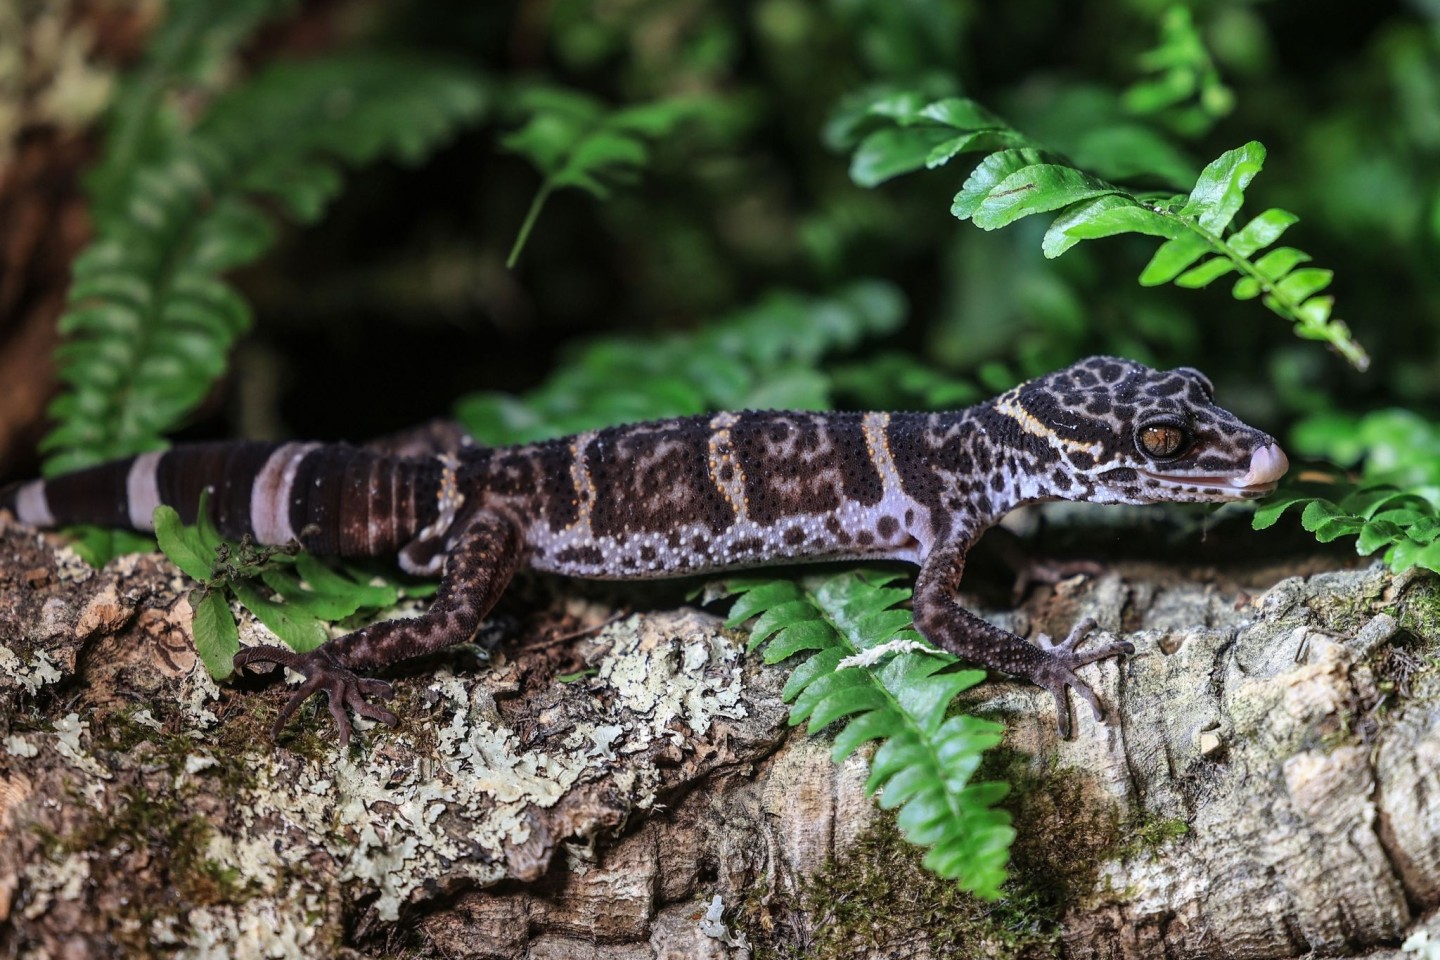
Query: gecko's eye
{"points": [[1162, 439]]}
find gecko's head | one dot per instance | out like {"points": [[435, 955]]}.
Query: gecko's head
{"points": [[1116, 431]]}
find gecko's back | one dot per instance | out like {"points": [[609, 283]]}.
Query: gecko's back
{"points": [[702, 493]]}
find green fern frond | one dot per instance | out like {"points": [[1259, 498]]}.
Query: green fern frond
{"points": [[1019, 177], [844, 626], [150, 321], [761, 357], [576, 142], [192, 53], [1183, 85]]}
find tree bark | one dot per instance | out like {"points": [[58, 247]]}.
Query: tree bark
{"points": [[1268, 786]]}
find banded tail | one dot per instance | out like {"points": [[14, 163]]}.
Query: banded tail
{"points": [[335, 499]]}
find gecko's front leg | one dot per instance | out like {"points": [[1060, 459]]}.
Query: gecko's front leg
{"points": [[481, 557], [951, 627]]}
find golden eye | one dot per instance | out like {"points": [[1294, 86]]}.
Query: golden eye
{"points": [[1162, 440]]}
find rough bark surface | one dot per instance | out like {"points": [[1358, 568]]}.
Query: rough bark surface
{"points": [[1268, 786]]}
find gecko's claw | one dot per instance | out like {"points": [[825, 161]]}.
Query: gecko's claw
{"points": [[342, 687], [1059, 670]]}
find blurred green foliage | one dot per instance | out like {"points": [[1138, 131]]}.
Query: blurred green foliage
{"points": [[765, 357]]}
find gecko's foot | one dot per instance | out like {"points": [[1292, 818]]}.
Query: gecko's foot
{"points": [[1058, 671], [342, 687]]}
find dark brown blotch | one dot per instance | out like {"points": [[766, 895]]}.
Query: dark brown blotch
{"points": [[586, 555]]}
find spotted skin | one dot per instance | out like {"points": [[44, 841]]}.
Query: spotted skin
{"points": [[699, 494]]}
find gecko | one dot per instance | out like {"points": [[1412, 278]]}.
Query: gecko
{"points": [[692, 495]]}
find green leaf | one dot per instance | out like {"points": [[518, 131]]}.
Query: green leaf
{"points": [[1376, 534], [761, 598], [1318, 512], [183, 545], [1279, 262], [300, 631], [875, 725], [1172, 258], [1268, 513], [1106, 216], [820, 665], [962, 114], [945, 151], [780, 616], [985, 177], [1262, 231], [1210, 270], [327, 582], [575, 142], [859, 698], [886, 154], [1304, 282], [1246, 288], [796, 638], [317, 605], [1220, 191], [1407, 553], [217, 639], [1036, 189]]}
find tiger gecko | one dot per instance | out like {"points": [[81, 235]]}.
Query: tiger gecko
{"points": [[695, 494]]}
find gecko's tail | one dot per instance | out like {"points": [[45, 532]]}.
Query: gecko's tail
{"points": [[331, 497]]}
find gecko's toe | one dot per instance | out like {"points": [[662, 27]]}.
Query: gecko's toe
{"points": [[1060, 678], [1068, 650], [356, 696], [1065, 659], [342, 688]]}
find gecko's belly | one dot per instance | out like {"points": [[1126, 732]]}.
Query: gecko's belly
{"points": [[692, 549]]}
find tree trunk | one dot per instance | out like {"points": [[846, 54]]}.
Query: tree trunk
{"points": [[1268, 786]]}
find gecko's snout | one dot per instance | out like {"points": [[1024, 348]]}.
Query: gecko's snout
{"points": [[1267, 465]]}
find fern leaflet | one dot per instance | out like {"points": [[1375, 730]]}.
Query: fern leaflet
{"points": [[1183, 88], [925, 763], [1019, 177]]}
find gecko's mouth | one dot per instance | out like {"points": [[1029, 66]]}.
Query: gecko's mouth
{"points": [[1267, 465]]}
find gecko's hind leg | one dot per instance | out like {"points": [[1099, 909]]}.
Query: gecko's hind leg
{"points": [[480, 560]]}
